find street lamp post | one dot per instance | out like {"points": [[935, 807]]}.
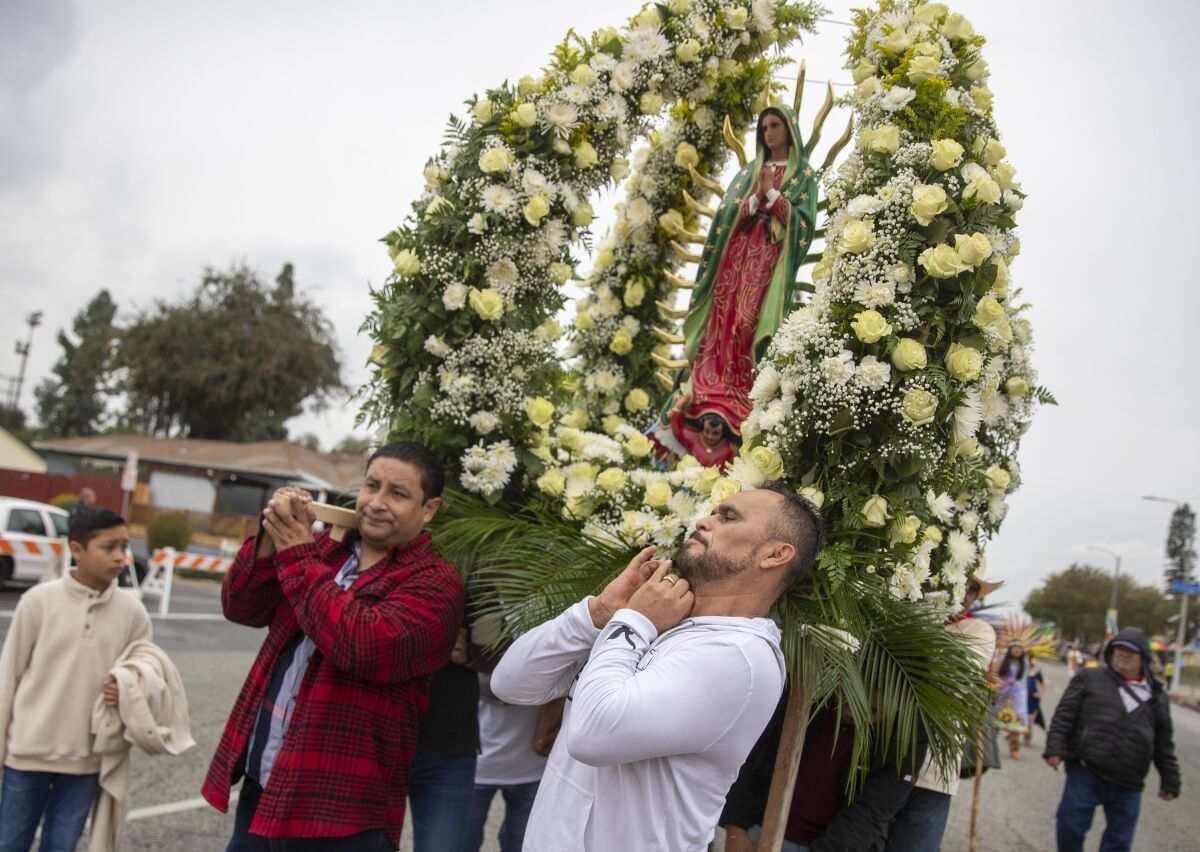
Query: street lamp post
{"points": [[1110, 618], [1181, 635]]}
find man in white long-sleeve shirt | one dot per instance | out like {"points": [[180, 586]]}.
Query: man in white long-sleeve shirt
{"points": [[669, 678]]}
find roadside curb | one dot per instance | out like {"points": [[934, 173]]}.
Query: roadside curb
{"points": [[1186, 702]]}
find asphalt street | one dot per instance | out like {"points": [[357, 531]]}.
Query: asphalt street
{"points": [[1017, 802]]}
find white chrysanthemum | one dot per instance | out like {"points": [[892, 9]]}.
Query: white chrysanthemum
{"points": [[968, 521], [961, 551], [775, 413], [534, 182], [897, 98], [941, 506], [904, 584], [477, 225], [995, 409], [838, 369], [553, 235], [923, 556], [764, 14], [576, 94], [560, 119], [436, 347], [863, 205], [502, 274], [875, 294], [967, 415], [623, 76], [604, 382], [645, 43], [639, 212], [682, 504], [601, 62], [997, 509], [872, 373], [483, 422], [612, 108], [765, 383], [745, 473], [497, 199]]}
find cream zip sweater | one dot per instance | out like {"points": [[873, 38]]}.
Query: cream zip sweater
{"points": [[64, 639]]}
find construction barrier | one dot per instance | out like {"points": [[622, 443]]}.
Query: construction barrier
{"points": [[58, 548], [160, 572]]}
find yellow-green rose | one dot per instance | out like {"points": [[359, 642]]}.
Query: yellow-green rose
{"points": [[540, 412], [982, 96], [583, 215], [704, 479], [967, 448], [550, 329], [525, 115], [619, 168], [686, 155], [560, 272], [483, 111], [897, 41], [585, 154], [407, 263], [993, 153], [964, 362], [930, 13], [658, 493], [998, 479], [536, 210], [688, 462], [767, 461], [612, 479], [671, 221], [679, 7], [921, 68], [870, 326], [1016, 387], [813, 495], [875, 511], [857, 236], [584, 320], [909, 355], [958, 28], [379, 354], [942, 262], [638, 446], [885, 139], [583, 75], [487, 303], [606, 258], [928, 201], [611, 422], [974, 249], [576, 418], [1004, 175], [904, 531], [933, 534], [946, 154], [552, 483], [863, 70], [919, 406], [651, 103], [527, 85], [637, 400], [984, 189], [635, 294], [688, 51], [495, 161], [621, 343], [988, 312], [724, 488], [735, 17], [865, 90]]}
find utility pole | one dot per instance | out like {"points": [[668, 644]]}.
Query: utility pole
{"points": [[1184, 590], [33, 320], [1110, 617]]}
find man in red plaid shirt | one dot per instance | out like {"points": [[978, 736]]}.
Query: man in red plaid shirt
{"points": [[325, 726]]}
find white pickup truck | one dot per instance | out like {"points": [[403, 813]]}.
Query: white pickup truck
{"points": [[33, 539]]}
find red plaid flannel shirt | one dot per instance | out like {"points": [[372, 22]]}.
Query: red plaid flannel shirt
{"points": [[345, 759]]}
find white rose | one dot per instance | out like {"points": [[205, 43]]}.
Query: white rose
{"points": [[946, 154], [928, 201], [454, 297]]}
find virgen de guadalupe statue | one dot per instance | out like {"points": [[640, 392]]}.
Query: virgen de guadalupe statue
{"points": [[744, 286]]}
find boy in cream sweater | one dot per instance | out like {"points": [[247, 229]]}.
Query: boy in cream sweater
{"points": [[65, 636]]}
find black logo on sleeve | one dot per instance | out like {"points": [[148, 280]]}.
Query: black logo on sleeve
{"points": [[623, 630]]}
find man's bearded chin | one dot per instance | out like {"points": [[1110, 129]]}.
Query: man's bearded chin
{"points": [[699, 566]]}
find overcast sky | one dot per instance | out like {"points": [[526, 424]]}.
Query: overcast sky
{"points": [[141, 141]]}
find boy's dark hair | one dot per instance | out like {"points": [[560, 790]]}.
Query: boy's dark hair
{"points": [[86, 524], [800, 523], [433, 478]]}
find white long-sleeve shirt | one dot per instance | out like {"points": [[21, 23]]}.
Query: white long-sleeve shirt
{"points": [[655, 727]]}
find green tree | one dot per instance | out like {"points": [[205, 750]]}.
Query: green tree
{"points": [[1181, 545], [232, 362], [352, 445], [1077, 598], [73, 401]]}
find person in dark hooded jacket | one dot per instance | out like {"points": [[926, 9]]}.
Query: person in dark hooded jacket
{"points": [[1112, 721]]}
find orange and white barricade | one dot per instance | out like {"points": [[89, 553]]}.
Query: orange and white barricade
{"points": [[160, 572]]}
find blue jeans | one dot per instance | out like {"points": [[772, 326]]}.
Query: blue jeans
{"points": [[1083, 791], [921, 822], [788, 846], [374, 840], [439, 796], [518, 802], [66, 801]]}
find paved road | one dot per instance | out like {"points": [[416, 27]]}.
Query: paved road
{"points": [[213, 657], [1017, 803]]}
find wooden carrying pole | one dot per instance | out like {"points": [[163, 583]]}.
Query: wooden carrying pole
{"points": [[787, 763], [978, 780]]}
